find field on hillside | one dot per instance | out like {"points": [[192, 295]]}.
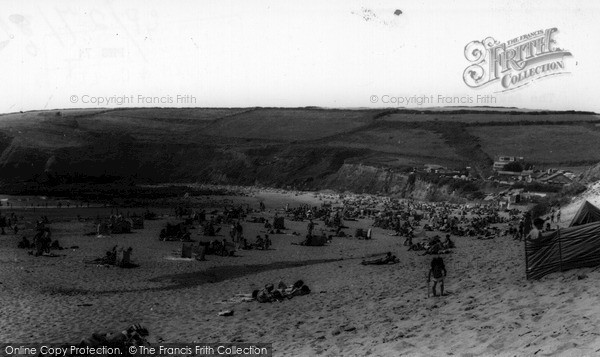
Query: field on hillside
{"points": [[179, 114], [200, 141], [546, 144], [407, 142], [189, 125], [290, 124], [159, 124], [487, 118]]}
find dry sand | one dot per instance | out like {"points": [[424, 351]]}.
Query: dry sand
{"points": [[353, 310]]}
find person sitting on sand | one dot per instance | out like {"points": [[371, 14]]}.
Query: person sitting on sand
{"points": [[416, 246], [24, 243], [111, 256], [267, 242], [243, 244], [307, 241], [438, 272], [433, 249], [215, 247], [389, 259], [448, 244], [436, 239], [258, 244], [42, 241]]}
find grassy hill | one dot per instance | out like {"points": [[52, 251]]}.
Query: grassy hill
{"points": [[301, 147]]}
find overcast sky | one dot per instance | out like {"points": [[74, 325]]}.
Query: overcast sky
{"points": [[346, 53]]}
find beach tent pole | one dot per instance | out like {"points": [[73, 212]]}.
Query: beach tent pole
{"points": [[560, 251], [428, 285], [526, 259]]}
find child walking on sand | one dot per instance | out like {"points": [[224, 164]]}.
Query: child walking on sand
{"points": [[438, 271]]}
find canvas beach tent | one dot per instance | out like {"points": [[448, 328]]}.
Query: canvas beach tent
{"points": [[587, 213]]}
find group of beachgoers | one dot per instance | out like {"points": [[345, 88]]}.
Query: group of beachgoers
{"points": [[282, 292], [9, 222], [121, 341], [260, 243], [435, 245], [42, 242], [117, 256]]}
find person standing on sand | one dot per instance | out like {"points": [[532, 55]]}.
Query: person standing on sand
{"points": [[438, 272], [2, 224], [233, 232], [239, 231], [535, 232], [520, 230], [310, 227]]}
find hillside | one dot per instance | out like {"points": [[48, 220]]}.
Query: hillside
{"points": [[301, 147]]}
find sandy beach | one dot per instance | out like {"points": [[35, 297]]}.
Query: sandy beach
{"points": [[352, 310]]}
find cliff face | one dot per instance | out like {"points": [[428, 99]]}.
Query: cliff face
{"points": [[297, 167], [362, 178], [369, 179]]}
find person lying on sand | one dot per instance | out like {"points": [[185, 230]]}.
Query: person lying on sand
{"points": [[438, 247], [133, 335], [389, 259], [297, 289], [438, 272], [433, 249], [266, 294], [417, 246], [270, 294], [25, 243]]}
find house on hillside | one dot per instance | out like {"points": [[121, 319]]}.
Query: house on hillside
{"points": [[513, 196], [433, 168], [556, 178], [525, 176], [441, 170], [502, 160]]}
